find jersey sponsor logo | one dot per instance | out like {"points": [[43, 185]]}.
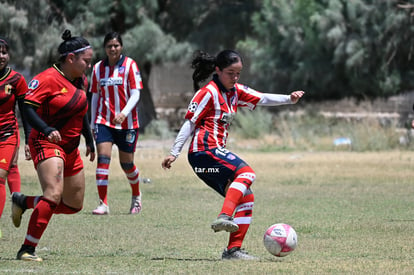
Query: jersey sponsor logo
{"points": [[34, 84], [192, 107], [112, 81]]}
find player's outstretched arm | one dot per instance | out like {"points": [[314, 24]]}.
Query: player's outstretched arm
{"points": [[296, 95]]}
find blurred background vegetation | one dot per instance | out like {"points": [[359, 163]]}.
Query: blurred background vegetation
{"points": [[333, 49]]}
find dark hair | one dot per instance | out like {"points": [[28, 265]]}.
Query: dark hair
{"points": [[205, 64], [4, 42], [112, 35], [71, 44]]}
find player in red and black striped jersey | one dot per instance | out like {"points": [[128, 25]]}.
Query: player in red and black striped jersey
{"points": [[56, 107], [115, 88], [208, 118], [12, 89]]}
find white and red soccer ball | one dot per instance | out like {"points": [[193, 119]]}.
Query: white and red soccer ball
{"points": [[280, 239]]}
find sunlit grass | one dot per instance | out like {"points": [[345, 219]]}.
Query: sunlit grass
{"points": [[352, 211]]}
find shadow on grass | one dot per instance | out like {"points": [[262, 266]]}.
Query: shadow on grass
{"points": [[209, 260], [184, 259]]}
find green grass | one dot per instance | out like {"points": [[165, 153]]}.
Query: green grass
{"points": [[353, 213]]}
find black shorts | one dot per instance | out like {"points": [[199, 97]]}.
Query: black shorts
{"points": [[216, 167], [126, 140]]}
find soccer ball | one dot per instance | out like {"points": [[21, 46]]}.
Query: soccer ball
{"points": [[280, 239]]}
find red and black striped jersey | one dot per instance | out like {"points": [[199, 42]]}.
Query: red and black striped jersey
{"points": [[12, 86], [60, 104]]}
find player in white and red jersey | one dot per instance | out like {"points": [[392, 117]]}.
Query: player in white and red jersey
{"points": [[115, 88], [208, 118], [56, 107], [12, 89]]}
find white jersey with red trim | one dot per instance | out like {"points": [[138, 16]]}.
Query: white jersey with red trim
{"points": [[113, 85], [212, 111]]}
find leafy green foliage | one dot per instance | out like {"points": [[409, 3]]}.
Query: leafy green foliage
{"points": [[333, 49], [330, 48]]}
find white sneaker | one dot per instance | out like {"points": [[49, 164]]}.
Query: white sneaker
{"points": [[136, 205], [236, 253], [102, 209], [224, 223]]}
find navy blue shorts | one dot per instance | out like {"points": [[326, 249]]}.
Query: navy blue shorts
{"points": [[216, 167], [126, 140]]}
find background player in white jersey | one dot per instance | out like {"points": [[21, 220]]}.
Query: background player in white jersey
{"points": [[208, 118], [115, 88]]}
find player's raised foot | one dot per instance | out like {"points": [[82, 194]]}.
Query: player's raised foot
{"points": [[18, 207], [224, 223], [27, 253], [236, 253], [136, 204], [102, 209]]}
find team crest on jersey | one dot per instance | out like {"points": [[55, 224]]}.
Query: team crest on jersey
{"points": [[233, 100], [8, 89], [34, 84], [121, 70], [192, 107]]}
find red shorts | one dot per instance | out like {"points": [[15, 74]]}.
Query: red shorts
{"points": [[8, 150], [43, 149]]}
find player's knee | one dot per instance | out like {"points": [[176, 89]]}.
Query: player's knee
{"points": [[247, 174], [104, 159], [127, 166]]}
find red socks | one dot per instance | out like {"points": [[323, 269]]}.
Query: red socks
{"points": [[13, 179], [2, 195], [243, 180], [133, 178], [102, 172], [242, 218], [38, 221], [64, 209]]}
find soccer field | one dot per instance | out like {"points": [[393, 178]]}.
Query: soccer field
{"points": [[353, 213]]}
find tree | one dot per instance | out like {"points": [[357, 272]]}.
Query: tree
{"points": [[333, 48], [211, 25], [35, 28]]}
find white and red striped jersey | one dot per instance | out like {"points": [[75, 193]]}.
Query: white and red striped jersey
{"points": [[212, 110], [114, 83]]}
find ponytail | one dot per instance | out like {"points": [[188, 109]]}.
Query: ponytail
{"points": [[204, 64], [71, 44]]}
